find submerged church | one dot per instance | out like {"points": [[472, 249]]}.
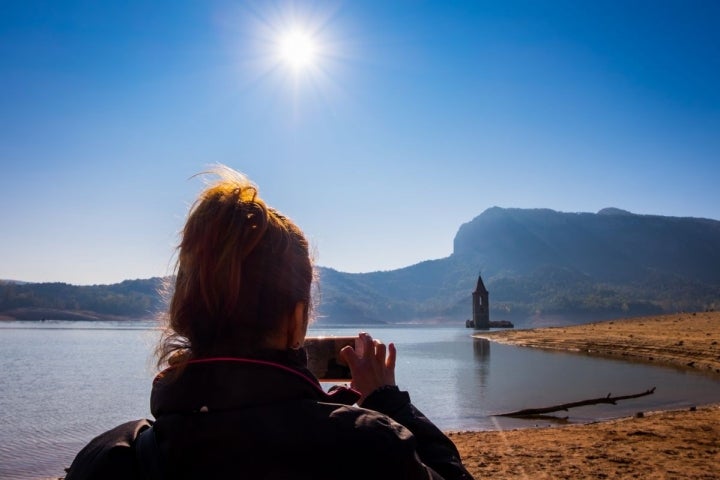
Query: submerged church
{"points": [[481, 310], [480, 307]]}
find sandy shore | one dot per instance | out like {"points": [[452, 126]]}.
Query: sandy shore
{"points": [[675, 444]]}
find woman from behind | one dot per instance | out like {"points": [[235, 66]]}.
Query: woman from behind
{"points": [[235, 398]]}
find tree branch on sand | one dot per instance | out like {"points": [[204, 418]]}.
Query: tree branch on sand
{"points": [[533, 412]]}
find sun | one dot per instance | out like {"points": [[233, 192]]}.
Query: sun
{"points": [[297, 49]]}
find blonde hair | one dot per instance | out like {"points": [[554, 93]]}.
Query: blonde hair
{"points": [[242, 267]]}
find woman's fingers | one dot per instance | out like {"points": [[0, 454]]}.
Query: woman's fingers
{"points": [[392, 356], [380, 352], [371, 362], [363, 344], [347, 353]]}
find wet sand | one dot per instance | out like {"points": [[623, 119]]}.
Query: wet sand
{"points": [[671, 444]]}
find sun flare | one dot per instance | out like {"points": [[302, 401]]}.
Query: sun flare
{"points": [[298, 50]]}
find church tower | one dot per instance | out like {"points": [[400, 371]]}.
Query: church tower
{"points": [[481, 306]]}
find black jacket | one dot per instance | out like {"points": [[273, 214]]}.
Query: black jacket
{"points": [[267, 417]]}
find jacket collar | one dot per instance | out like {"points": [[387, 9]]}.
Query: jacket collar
{"points": [[228, 383]]}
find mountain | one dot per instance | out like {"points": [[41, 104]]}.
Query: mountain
{"points": [[540, 263], [540, 266]]}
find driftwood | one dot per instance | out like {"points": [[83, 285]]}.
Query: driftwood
{"points": [[533, 412]]}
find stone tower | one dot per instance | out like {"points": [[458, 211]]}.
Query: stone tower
{"points": [[481, 306]]}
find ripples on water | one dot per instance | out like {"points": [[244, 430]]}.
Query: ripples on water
{"points": [[65, 382]]}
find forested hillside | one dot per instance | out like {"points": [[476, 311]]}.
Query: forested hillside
{"points": [[536, 263], [61, 301]]}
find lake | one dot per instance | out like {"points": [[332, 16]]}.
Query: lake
{"points": [[62, 383]]}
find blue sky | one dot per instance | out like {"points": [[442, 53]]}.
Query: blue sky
{"points": [[415, 117]]}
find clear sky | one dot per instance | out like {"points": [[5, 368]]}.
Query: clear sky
{"points": [[411, 118]]}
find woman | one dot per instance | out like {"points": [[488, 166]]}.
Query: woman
{"points": [[236, 399]]}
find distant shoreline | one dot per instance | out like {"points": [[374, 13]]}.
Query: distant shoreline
{"points": [[40, 314]]}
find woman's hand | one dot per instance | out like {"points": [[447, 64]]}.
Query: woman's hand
{"points": [[372, 365]]}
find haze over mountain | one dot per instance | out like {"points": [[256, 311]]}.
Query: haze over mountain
{"points": [[538, 264]]}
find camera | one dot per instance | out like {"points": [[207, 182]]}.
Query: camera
{"points": [[323, 358]]}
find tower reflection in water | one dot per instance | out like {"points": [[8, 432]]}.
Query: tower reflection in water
{"points": [[481, 347], [481, 355]]}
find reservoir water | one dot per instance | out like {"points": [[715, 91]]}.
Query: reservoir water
{"points": [[62, 383]]}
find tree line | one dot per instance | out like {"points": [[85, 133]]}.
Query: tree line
{"points": [[130, 298]]}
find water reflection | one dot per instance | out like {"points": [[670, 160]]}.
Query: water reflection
{"points": [[481, 352], [481, 347]]}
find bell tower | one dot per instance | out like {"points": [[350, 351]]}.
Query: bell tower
{"points": [[481, 306]]}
